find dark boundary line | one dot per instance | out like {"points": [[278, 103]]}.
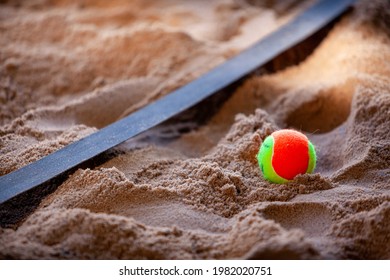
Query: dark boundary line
{"points": [[71, 156]]}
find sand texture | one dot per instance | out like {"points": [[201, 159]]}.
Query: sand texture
{"points": [[191, 188]]}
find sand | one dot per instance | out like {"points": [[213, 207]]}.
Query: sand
{"points": [[191, 188]]}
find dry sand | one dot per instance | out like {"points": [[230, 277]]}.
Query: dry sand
{"points": [[188, 190]]}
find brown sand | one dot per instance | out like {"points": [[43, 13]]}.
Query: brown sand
{"points": [[69, 69]]}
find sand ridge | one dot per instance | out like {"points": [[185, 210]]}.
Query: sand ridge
{"points": [[157, 200]]}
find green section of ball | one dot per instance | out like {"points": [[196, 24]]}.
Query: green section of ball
{"points": [[264, 158], [312, 158]]}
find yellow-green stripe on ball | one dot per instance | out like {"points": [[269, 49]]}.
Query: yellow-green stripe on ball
{"points": [[285, 154]]}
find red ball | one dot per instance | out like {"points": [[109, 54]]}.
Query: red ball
{"points": [[285, 154]]}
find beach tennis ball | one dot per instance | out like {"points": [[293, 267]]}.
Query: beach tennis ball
{"points": [[284, 154]]}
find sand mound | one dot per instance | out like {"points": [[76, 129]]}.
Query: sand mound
{"points": [[186, 190]]}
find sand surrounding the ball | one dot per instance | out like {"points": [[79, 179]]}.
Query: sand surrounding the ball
{"points": [[187, 189]]}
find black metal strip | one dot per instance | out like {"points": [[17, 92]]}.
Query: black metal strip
{"points": [[48, 167]]}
